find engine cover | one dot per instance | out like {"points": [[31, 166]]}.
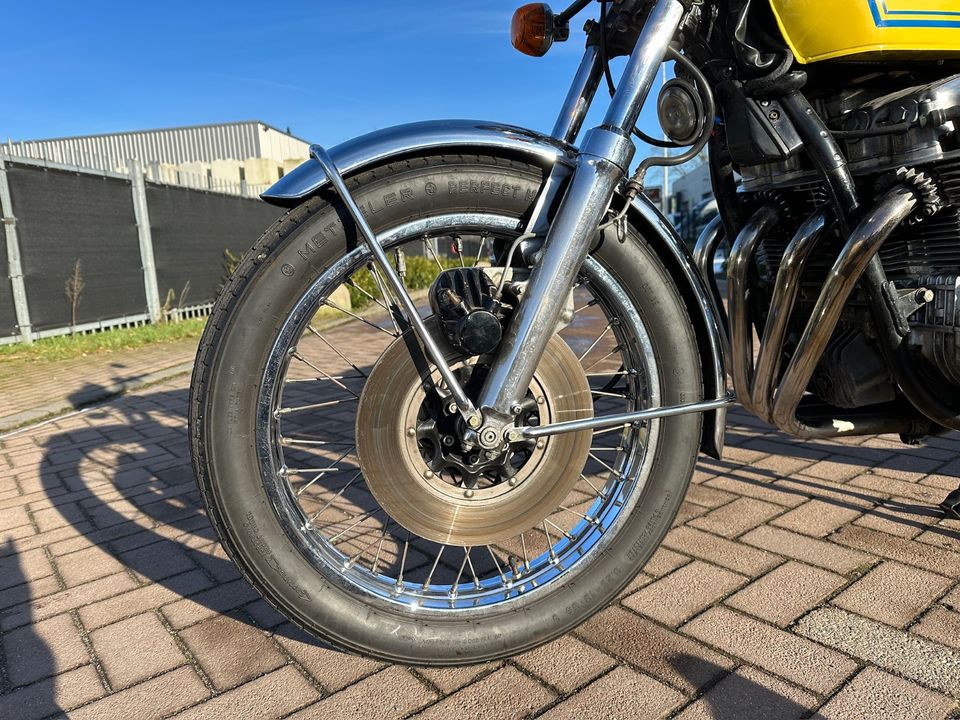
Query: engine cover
{"points": [[929, 111], [935, 328]]}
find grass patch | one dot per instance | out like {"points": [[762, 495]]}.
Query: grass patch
{"points": [[68, 347]]}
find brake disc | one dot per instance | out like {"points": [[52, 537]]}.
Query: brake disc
{"points": [[450, 507]]}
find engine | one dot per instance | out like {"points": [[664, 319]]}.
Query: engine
{"points": [[909, 135]]}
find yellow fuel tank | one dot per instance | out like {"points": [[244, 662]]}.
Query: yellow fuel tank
{"points": [[870, 29]]}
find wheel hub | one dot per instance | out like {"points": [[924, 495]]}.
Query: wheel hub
{"points": [[444, 489]]}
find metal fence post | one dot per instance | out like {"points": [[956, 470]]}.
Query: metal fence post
{"points": [[13, 258], [142, 214]]}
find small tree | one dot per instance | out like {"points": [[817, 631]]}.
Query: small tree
{"points": [[73, 288]]}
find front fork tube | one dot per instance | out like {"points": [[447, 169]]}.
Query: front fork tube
{"points": [[571, 234], [605, 157]]}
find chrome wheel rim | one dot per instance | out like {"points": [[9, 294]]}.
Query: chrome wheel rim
{"points": [[314, 378]]}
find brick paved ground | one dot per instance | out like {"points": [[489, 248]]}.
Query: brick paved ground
{"points": [[799, 579], [29, 391]]}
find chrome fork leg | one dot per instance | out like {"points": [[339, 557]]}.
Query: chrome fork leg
{"points": [[603, 162]]}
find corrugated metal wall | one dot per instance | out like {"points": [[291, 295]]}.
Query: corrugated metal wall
{"points": [[202, 143]]}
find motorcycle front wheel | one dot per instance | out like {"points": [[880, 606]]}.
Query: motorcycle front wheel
{"points": [[332, 473]]}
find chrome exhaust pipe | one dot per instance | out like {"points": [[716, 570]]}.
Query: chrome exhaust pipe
{"points": [[704, 254], [785, 293], [741, 331], [864, 242]]}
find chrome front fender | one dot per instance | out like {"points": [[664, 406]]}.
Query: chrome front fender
{"points": [[421, 138]]}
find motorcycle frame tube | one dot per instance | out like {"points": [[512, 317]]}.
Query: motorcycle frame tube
{"points": [[862, 245], [579, 97], [602, 164], [741, 330], [785, 292], [433, 350]]}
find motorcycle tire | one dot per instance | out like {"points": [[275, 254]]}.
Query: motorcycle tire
{"points": [[226, 415]]}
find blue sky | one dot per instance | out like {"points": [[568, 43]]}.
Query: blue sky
{"points": [[328, 70]]}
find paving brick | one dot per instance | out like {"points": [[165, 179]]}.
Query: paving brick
{"points": [[771, 649], [708, 496], [685, 592], [451, 679], [737, 517], [900, 517], [23, 567], [566, 664], [142, 599], [749, 694], [66, 600], [786, 593], [902, 550], [517, 696], [888, 487], [391, 693], [52, 696], [208, 603], [13, 517], [45, 648], [91, 564], [929, 664], [274, 695], [333, 669], [622, 693], [151, 700], [757, 486], [837, 468], [665, 655], [158, 560], [893, 593], [817, 518], [806, 549], [230, 651], [664, 561], [727, 553], [940, 625], [886, 696], [135, 649]]}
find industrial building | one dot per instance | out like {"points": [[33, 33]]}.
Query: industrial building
{"points": [[243, 157]]}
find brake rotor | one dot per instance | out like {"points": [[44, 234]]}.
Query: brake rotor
{"points": [[439, 506]]}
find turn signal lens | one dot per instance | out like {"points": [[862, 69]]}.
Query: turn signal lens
{"points": [[532, 29]]}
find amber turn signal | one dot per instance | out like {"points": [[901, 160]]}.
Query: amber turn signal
{"points": [[532, 29]]}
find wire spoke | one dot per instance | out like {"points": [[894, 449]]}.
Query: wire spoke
{"points": [[326, 376], [394, 310], [600, 493], [433, 568], [433, 254], [336, 350], [609, 354], [332, 500], [595, 342], [359, 519], [332, 304], [313, 406]]}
